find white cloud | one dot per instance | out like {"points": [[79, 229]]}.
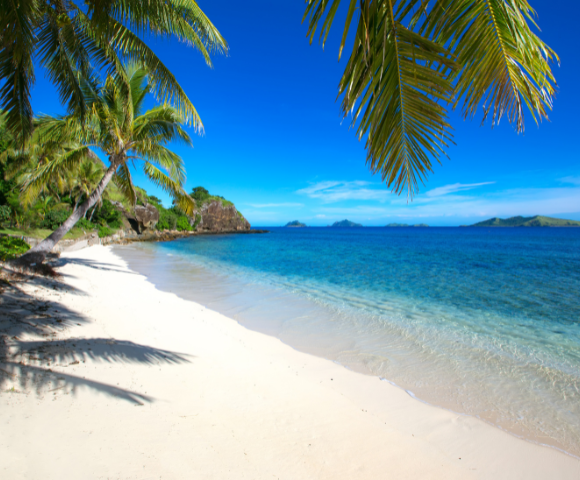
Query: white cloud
{"points": [[507, 203], [572, 180], [335, 191], [276, 205], [454, 188]]}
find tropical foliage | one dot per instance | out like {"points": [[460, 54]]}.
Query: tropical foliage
{"points": [[12, 247], [413, 60], [118, 126], [74, 40]]}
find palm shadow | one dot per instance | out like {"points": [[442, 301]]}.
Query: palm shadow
{"points": [[62, 261], [28, 363]]}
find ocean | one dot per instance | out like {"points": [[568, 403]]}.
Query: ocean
{"points": [[480, 321]]}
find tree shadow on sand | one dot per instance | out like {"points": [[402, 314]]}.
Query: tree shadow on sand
{"points": [[61, 262], [27, 363]]}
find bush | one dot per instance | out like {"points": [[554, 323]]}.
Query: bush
{"points": [[200, 194], [5, 213], [183, 224], [154, 200], [55, 218], [84, 224], [105, 232], [11, 247], [107, 214], [167, 220]]}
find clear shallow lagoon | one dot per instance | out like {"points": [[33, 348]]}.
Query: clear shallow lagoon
{"points": [[484, 322]]}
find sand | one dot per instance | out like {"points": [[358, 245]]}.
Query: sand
{"points": [[145, 385]]}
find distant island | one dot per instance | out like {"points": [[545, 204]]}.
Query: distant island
{"points": [[535, 221], [345, 223], [406, 225], [295, 223]]}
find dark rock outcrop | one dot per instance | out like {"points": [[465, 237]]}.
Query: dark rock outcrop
{"points": [[214, 217], [147, 216]]}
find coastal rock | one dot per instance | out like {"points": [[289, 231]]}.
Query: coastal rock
{"points": [[214, 217], [147, 215]]}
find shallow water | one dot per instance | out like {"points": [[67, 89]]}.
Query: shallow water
{"points": [[484, 322]]}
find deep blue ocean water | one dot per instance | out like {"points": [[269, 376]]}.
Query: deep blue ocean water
{"points": [[484, 322]]}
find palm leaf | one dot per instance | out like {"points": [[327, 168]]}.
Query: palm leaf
{"points": [[399, 80], [44, 174], [17, 40], [174, 188], [504, 64], [124, 182]]}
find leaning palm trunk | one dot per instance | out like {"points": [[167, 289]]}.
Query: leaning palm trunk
{"points": [[39, 253]]}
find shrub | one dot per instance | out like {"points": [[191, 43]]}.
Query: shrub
{"points": [[84, 224], [154, 200], [183, 224], [197, 220], [105, 232], [11, 247], [107, 214], [5, 213], [55, 218], [167, 220], [200, 194]]}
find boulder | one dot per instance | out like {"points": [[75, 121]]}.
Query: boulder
{"points": [[146, 216], [217, 218]]}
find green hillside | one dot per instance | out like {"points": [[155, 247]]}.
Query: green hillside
{"points": [[346, 223], [536, 221]]}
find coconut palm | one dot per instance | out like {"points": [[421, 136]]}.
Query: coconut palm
{"points": [[86, 178], [69, 38], [412, 60], [126, 134]]}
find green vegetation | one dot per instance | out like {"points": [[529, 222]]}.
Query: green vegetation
{"points": [[346, 223], [105, 232], [12, 247], [536, 221], [169, 218], [63, 191], [119, 127], [413, 60], [202, 197], [71, 40], [295, 223]]}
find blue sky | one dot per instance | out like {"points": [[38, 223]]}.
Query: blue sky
{"points": [[276, 145]]}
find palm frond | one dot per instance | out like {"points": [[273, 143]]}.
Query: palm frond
{"points": [[175, 189], [163, 83], [124, 183], [18, 39], [164, 158], [163, 123], [504, 64], [62, 50], [399, 79], [44, 174], [413, 58]]}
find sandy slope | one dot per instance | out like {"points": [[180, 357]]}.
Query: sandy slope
{"points": [[165, 389]]}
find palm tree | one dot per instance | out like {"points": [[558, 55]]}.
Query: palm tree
{"points": [[125, 134], [413, 59], [86, 178], [69, 38]]}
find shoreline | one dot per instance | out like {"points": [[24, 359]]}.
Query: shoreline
{"points": [[221, 400]]}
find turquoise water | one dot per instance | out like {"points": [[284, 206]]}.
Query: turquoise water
{"points": [[484, 322]]}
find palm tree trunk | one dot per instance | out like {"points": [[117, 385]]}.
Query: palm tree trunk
{"points": [[37, 254]]}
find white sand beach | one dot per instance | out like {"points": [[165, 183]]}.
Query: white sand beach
{"points": [[145, 385]]}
